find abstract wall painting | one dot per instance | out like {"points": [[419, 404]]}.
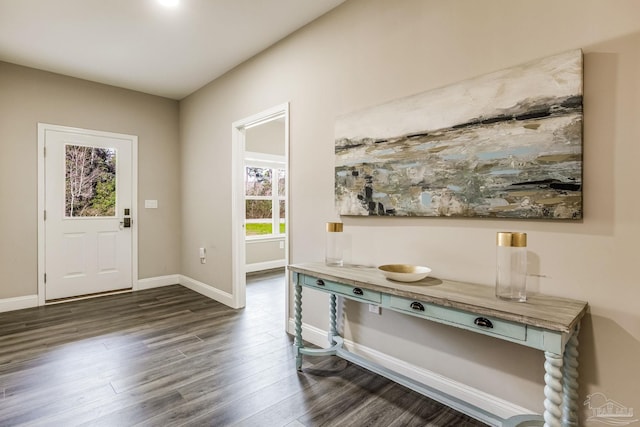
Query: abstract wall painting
{"points": [[506, 144]]}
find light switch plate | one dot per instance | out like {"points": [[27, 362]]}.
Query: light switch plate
{"points": [[151, 204]]}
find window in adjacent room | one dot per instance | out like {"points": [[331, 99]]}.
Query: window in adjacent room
{"points": [[265, 198]]}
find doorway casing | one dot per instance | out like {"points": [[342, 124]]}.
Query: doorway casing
{"points": [[238, 247]]}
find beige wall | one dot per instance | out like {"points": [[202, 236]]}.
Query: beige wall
{"points": [[264, 251], [266, 138], [370, 51], [29, 96]]}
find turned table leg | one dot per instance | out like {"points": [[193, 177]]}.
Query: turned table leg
{"points": [[298, 324], [552, 389], [570, 382], [333, 328]]}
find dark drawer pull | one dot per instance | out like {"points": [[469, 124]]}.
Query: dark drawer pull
{"points": [[484, 322], [358, 291], [417, 306], [320, 282]]}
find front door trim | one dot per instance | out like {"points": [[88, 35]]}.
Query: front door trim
{"points": [[42, 128]]}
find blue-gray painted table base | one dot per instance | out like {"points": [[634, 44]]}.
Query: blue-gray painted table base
{"points": [[558, 337]]}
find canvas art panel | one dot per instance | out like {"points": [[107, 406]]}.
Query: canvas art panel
{"points": [[506, 144]]}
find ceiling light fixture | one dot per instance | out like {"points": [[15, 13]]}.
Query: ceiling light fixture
{"points": [[169, 3]]}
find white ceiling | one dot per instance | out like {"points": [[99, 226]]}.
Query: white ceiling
{"points": [[141, 45]]}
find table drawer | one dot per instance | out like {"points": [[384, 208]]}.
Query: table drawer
{"points": [[484, 324], [348, 291]]}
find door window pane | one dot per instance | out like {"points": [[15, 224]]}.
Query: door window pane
{"points": [[257, 181], [259, 228], [283, 228], [282, 177], [90, 181], [258, 209], [259, 217]]}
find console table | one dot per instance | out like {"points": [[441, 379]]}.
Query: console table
{"points": [[546, 323]]}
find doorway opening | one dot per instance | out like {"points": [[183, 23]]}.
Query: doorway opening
{"points": [[260, 208]]}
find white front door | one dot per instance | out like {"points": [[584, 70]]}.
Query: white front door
{"points": [[88, 202]]}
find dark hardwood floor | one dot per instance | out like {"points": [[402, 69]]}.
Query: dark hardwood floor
{"points": [[169, 356]]}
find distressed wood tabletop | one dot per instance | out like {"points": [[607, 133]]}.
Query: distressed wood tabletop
{"points": [[544, 311]]}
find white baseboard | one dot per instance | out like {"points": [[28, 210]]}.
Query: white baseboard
{"points": [[28, 301], [311, 334], [206, 290], [157, 282], [267, 265], [478, 398], [18, 303]]}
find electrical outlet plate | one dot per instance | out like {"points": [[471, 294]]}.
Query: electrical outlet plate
{"points": [[374, 309]]}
